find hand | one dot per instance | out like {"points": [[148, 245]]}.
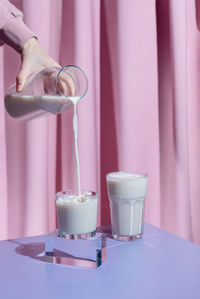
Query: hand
{"points": [[33, 59]]}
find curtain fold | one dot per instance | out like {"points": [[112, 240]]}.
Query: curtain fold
{"points": [[3, 163], [141, 112], [179, 42], [138, 126]]}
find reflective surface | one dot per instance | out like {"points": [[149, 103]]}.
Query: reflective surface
{"points": [[160, 265], [89, 252]]}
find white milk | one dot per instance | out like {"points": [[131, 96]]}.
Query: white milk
{"points": [[77, 214], [74, 100], [26, 107], [126, 192]]}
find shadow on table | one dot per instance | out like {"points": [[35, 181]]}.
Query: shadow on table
{"points": [[36, 250], [33, 250]]}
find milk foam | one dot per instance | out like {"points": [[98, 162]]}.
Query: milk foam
{"points": [[70, 199], [126, 185], [123, 175]]}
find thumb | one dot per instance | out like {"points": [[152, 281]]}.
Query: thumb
{"points": [[20, 80]]}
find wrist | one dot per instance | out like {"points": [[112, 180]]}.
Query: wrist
{"points": [[29, 44]]}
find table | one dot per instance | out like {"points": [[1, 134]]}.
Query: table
{"points": [[159, 266]]}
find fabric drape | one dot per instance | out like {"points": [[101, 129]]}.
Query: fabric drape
{"points": [[141, 112]]}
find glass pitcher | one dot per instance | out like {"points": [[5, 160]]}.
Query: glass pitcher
{"points": [[47, 91]]}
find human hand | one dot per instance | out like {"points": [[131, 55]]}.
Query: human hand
{"points": [[33, 59]]}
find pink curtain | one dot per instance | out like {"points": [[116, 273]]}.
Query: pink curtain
{"points": [[141, 112]]}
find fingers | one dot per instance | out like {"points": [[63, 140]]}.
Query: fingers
{"points": [[66, 84], [20, 80]]}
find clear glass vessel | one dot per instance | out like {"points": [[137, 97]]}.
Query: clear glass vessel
{"points": [[47, 91], [127, 192], [77, 214]]}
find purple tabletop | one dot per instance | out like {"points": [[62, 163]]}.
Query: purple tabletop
{"points": [[160, 265]]}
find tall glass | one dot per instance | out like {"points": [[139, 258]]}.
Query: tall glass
{"points": [[77, 215], [126, 193]]}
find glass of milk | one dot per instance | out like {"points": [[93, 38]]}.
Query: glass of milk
{"points": [[77, 214], [126, 192]]}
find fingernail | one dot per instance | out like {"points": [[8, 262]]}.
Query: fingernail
{"points": [[19, 87]]}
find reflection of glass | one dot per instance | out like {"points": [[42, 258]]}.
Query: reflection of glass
{"points": [[88, 253], [46, 91], [76, 214], [127, 193]]}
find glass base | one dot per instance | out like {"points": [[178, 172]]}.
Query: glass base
{"points": [[78, 251], [127, 238], [76, 236]]}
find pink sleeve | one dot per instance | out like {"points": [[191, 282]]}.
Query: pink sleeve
{"points": [[13, 31]]}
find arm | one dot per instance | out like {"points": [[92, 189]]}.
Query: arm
{"points": [[13, 31], [16, 34]]}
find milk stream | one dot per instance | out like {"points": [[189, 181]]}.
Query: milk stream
{"points": [[74, 100], [18, 105]]}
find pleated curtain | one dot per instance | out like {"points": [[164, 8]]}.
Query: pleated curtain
{"points": [[141, 113]]}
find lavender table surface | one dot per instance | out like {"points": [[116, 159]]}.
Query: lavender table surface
{"points": [[159, 266]]}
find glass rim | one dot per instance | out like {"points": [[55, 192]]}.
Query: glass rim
{"points": [[62, 69], [135, 176], [75, 192]]}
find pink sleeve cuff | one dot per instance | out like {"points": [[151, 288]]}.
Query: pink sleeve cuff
{"points": [[15, 33]]}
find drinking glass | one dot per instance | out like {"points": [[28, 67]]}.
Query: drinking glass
{"points": [[126, 192], [76, 214]]}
